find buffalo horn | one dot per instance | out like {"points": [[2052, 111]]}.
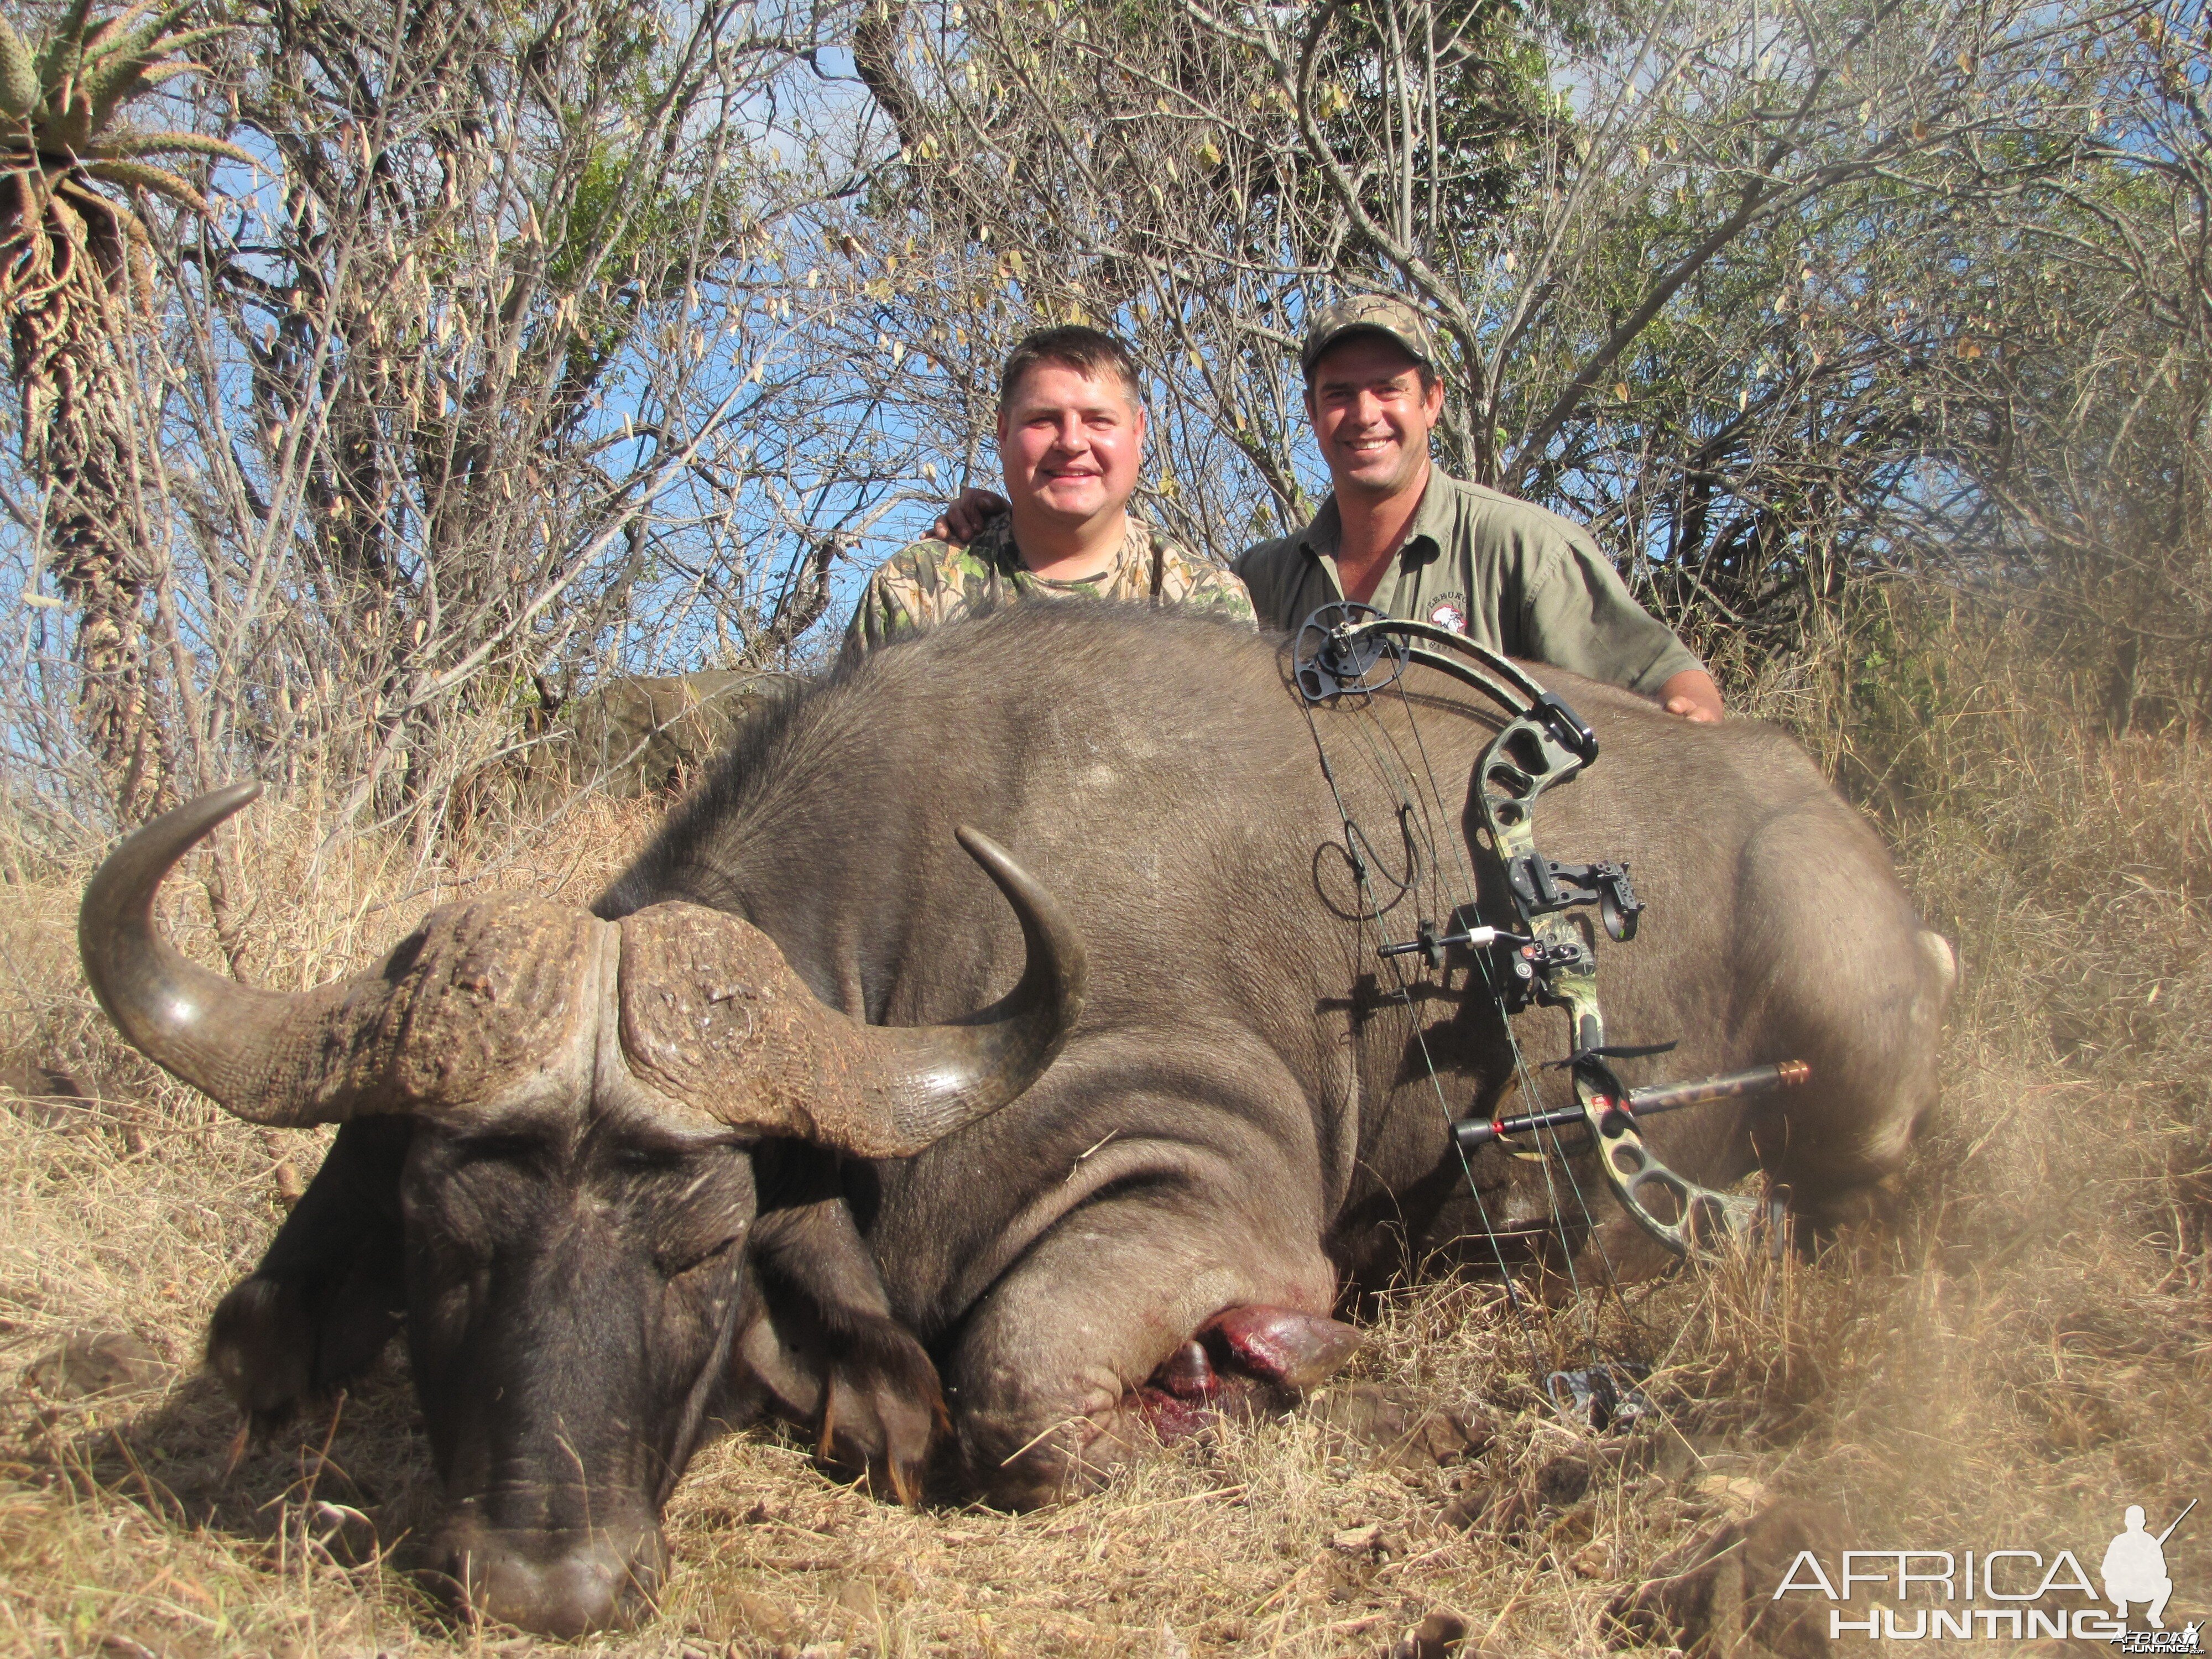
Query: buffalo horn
{"points": [[713, 1014], [936, 1077], [216, 1034], [480, 995]]}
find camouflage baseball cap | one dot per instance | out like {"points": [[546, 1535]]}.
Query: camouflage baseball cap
{"points": [[1377, 313]]}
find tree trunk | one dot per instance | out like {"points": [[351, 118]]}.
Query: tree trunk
{"points": [[75, 444]]}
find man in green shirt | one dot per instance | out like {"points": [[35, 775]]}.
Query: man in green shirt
{"points": [[1071, 433], [1400, 534]]}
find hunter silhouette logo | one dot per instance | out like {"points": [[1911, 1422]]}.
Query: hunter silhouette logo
{"points": [[2135, 1571]]}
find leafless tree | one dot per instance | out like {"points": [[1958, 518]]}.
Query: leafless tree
{"points": [[517, 344], [595, 338], [1697, 264], [2091, 460]]}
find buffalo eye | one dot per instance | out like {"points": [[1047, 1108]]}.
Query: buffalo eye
{"points": [[675, 1260], [692, 1211]]}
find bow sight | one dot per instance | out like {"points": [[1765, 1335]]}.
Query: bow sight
{"points": [[1540, 956]]}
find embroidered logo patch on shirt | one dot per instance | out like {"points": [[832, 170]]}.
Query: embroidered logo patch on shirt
{"points": [[1447, 615]]}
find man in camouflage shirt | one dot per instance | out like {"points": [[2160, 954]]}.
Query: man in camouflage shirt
{"points": [[1071, 434]]}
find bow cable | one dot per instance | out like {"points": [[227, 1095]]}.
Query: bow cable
{"points": [[1415, 810], [1374, 913]]}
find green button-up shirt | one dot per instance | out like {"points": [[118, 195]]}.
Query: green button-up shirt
{"points": [[1507, 574]]}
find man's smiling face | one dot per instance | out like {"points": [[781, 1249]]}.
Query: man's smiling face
{"points": [[1371, 415], [1070, 442]]}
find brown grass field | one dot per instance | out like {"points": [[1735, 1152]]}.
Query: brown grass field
{"points": [[2016, 1353]]}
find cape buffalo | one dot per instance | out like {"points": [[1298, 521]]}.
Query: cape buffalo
{"points": [[544, 1168], [1243, 1122]]}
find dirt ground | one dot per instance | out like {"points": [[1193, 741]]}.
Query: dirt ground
{"points": [[2015, 1354]]}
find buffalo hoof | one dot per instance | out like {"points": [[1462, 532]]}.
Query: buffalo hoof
{"points": [[261, 1348], [875, 1407], [274, 1348], [563, 1584], [883, 1426]]}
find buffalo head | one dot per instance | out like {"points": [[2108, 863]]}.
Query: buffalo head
{"points": [[576, 1190]]}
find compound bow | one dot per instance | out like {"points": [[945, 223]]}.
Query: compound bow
{"points": [[1347, 649]]}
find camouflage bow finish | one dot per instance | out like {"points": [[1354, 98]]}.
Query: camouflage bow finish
{"points": [[1526, 758], [1546, 744]]}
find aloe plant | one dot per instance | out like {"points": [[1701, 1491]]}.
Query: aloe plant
{"points": [[71, 245]]}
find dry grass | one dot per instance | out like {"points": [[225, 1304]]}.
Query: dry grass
{"points": [[2021, 1351]]}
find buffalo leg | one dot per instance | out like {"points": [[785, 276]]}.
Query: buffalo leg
{"points": [[822, 1349], [331, 1290], [1082, 1356]]}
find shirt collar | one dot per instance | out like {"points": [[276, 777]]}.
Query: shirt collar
{"points": [[1324, 533], [997, 541], [1431, 521]]}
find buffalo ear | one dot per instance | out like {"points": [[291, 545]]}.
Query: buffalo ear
{"points": [[712, 1015]]}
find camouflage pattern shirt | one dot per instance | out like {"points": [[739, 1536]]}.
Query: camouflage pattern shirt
{"points": [[933, 581]]}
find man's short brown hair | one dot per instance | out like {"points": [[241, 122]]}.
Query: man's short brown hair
{"points": [[1071, 345]]}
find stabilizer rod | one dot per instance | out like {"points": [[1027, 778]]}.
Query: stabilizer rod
{"points": [[1642, 1103]]}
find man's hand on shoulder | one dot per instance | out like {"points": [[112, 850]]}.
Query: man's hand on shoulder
{"points": [[1693, 694], [963, 521]]}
